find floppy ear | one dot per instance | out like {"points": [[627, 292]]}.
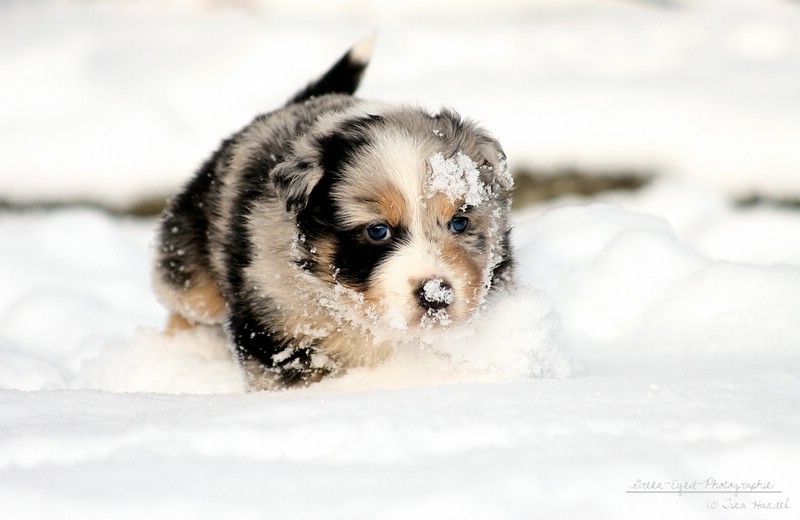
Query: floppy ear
{"points": [[503, 181], [311, 158], [494, 171], [472, 139], [294, 179]]}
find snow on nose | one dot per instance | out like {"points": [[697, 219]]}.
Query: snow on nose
{"points": [[435, 294]]}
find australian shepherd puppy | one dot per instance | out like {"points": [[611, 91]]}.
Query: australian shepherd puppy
{"points": [[328, 231]]}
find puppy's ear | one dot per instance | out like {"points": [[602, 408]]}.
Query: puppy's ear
{"points": [[294, 179], [503, 182], [479, 145], [494, 171], [316, 156]]}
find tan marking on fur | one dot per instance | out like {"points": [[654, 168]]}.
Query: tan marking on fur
{"points": [[466, 268], [324, 254], [341, 346], [392, 204], [202, 302], [440, 207], [177, 323], [372, 202], [374, 295]]}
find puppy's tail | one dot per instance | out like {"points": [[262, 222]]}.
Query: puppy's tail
{"points": [[344, 76]]}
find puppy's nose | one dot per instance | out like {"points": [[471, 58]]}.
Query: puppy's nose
{"points": [[435, 294]]}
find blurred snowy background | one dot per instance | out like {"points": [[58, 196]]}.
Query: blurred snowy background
{"points": [[117, 101], [653, 335]]}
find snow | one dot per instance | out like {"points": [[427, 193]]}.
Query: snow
{"points": [[436, 291], [457, 178], [651, 336], [624, 353], [439, 295]]}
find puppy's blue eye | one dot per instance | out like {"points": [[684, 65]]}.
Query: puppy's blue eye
{"points": [[459, 224], [379, 232]]}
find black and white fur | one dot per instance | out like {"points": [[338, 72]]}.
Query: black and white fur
{"points": [[325, 232]]}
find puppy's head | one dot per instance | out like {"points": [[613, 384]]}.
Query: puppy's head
{"points": [[403, 211]]}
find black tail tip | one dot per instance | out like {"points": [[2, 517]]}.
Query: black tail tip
{"points": [[344, 76]]}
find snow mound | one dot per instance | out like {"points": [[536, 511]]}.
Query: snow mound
{"points": [[104, 325], [595, 284], [195, 361], [199, 361], [626, 289]]}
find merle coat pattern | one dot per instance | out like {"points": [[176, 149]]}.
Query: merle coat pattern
{"points": [[315, 238]]}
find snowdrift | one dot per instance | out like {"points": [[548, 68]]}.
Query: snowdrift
{"points": [[629, 351]]}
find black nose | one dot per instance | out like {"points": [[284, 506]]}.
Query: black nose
{"points": [[435, 294]]}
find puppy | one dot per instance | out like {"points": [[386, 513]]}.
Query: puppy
{"points": [[331, 229]]}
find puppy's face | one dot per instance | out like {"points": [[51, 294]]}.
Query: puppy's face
{"points": [[404, 213]]}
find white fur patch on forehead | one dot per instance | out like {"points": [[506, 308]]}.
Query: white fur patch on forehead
{"points": [[458, 178], [403, 163], [390, 170]]}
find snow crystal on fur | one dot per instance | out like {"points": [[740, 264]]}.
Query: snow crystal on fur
{"points": [[458, 178]]}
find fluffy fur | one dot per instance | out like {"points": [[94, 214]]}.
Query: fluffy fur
{"points": [[326, 231]]}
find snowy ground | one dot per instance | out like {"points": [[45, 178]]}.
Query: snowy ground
{"points": [[635, 348], [653, 335]]}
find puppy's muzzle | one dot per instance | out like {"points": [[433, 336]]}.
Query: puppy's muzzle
{"points": [[435, 294]]}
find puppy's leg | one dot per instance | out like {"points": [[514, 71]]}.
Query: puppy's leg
{"points": [[177, 323], [271, 359], [182, 277], [197, 301]]}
